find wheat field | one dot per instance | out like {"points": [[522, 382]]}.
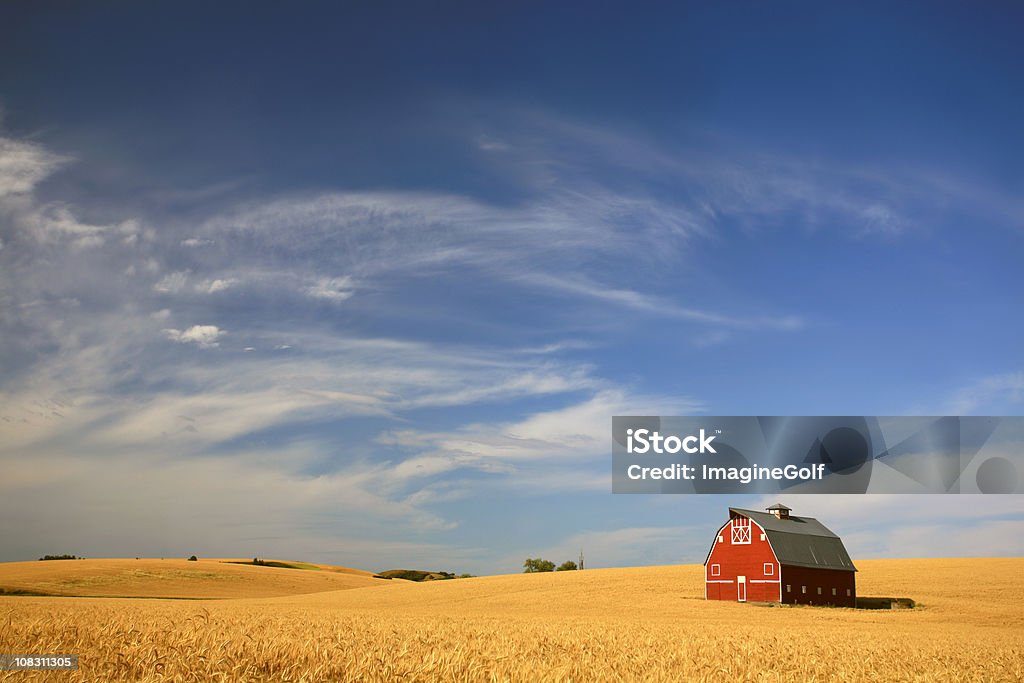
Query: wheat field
{"points": [[648, 624], [173, 578]]}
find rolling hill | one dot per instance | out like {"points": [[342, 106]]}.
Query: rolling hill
{"points": [[643, 623], [174, 578]]}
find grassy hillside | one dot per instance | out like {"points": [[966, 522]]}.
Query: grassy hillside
{"points": [[616, 624], [414, 575], [174, 578]]}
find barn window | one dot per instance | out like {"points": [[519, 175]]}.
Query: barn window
{"points": [[741, 531], [833, 591], [719, 539], [847, 592], [716, 569], [789, 588], [769, 569], [762, 537], [803, 589], [819, 590]]}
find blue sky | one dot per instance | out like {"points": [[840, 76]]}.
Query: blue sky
{"points": [[365, 284]]}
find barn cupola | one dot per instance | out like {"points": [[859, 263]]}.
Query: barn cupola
{"points": [[780, 511]]}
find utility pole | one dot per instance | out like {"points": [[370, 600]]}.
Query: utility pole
{"points": [[581, 558]]}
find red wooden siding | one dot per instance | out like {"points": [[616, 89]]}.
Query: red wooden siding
{"points": [[748, 560], [808, 586]]}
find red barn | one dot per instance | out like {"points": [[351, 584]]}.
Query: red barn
{"points": [[775, 557]]}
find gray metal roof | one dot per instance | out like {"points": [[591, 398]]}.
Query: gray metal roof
{"points": [[801, 541]]}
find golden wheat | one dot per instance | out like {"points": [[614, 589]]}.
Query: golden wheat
{"points": [[622, 624], [173, 578]]}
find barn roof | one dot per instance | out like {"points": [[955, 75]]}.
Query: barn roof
{"points": [[801, 541]]}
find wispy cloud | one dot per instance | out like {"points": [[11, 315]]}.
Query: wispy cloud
{"points": [[171, 283], [718, 183], [217, 285], [23, 165], [578, 430], [995, 395], [335, 289], [459, 330], [656, 306]]}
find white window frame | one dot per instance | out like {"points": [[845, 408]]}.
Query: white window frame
{"points": [[819, 590], [769, 569], [716, 570], [847, 592], [803, 590], [741, 531]]}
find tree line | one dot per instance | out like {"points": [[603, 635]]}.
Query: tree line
{"points": [[537, 564]]}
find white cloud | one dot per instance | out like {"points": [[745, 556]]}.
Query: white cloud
{"points": [[205, 336], [558, 347], [193, 242], [171, 283], [336, 289], [23, 165], [217, 285], [489, 144]]}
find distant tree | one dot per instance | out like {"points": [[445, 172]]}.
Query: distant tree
{"points": [[193, 559], [58, 557], [567, 566], [533, 566], [464, 576]]}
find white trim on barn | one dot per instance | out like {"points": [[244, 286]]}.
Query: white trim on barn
{"points": [[741, 531]]}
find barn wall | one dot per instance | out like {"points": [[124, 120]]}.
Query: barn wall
{"points": [[825, 579], [742, 560]]}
